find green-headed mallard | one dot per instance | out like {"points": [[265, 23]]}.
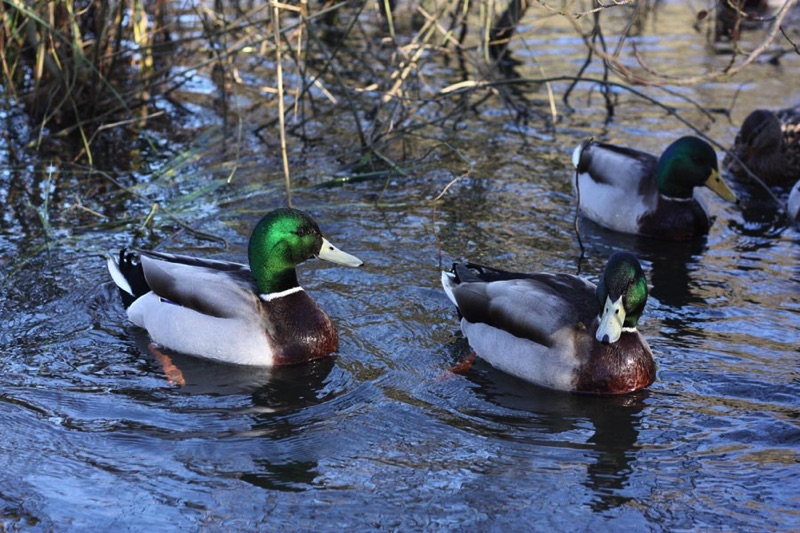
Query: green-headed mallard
{"points": [[634, 192], [558, 330], [228, 312], [768, 143]]}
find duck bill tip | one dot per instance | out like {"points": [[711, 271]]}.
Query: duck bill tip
{"points": [[720, 188], [331, 253]]}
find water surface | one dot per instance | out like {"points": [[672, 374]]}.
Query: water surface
{"points": [[382, 436]]}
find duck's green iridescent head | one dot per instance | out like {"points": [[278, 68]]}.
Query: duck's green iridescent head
{"points": [[281, 240], [687, 163], [622, 294]]}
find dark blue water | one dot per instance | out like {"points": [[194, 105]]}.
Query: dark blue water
{"points": [[382, 436]]}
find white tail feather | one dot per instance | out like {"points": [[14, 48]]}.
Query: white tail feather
{"points": [[578, 152], [116, 275], [448, 282]]}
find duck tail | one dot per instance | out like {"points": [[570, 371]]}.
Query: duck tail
{"points": [[578, 160], [128, 276], [449, 282], [467, 273]]}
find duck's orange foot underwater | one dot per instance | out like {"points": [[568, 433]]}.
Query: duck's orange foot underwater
{"points": [[173, 373], [461, 368]]}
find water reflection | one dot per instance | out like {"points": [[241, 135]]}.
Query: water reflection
{"points": [[671, 263], [280, 399], [762, 213], [281, 388], [616, 421], [294, 476]]}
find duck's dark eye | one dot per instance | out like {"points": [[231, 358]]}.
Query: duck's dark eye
{"points": [[303, 231]]}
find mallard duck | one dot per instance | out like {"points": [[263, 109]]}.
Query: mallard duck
{"points": [[634, 192], [228, 312], [768, 143], [558, 330], [743, 15]]}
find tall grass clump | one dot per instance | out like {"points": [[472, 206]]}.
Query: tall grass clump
{"points": [[384, 84], [82, 67]]}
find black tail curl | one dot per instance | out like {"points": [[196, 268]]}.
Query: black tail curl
{"points": [[131, 268], [472, 272]]}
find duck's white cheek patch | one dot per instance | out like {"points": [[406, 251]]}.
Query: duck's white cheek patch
{"points": [[611, 321]]}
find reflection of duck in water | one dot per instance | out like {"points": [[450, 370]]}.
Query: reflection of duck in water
{"points": [[616, 432], [228, 312], [671, 264], [275, 387], [630, 191], [609, 453], [768, 144], [557, 330]]}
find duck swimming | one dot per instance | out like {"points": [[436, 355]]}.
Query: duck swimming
{"points": [[229, 312], [634, 192], [768, 143], [558, 330]]}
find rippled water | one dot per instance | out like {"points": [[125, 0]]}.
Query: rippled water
{"points": [[383, 436]]}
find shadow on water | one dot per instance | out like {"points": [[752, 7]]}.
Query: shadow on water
{"points": [[615, 423]]}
